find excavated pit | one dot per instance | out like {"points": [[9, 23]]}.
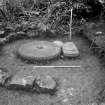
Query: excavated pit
{"points": [[76, 85]]}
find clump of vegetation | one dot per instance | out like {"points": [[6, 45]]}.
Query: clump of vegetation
{"points": [[34, 16]]}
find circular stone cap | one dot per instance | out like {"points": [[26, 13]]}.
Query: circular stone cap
{"points": [[45, 84], [39, 50]]}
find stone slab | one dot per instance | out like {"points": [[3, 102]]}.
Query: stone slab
{"points": [[70, 50]]}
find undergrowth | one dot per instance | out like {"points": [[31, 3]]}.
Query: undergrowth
{"points": [[34, 16]]}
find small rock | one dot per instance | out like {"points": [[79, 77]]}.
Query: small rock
{"points": [[98, 32], [2, 40], [62, 56], [21, 34], [45, 84], [58, 43], [65, 100], [2, 32]]}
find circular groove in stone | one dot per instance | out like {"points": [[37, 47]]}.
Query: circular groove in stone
{"points": [[39, 50]]}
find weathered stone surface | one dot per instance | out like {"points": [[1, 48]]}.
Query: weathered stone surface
{"points": [[2, 37], [2, 40], [70, 50], [32, 80], [45, 84], [2, 32], [39, 50], [22, 80], [4, 75]]}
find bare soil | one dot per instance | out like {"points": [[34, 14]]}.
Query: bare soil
{"points": [[87, 81]]}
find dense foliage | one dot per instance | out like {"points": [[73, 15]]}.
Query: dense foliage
{"points": [[34, 16]]}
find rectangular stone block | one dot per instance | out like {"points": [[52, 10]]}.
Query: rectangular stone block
{"points": [[22, 80]]}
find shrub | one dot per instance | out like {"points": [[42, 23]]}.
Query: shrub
{"points": [[44, 15]]}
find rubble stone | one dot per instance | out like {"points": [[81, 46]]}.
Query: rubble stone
{"points": [[45, 84], [22, 80]]}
